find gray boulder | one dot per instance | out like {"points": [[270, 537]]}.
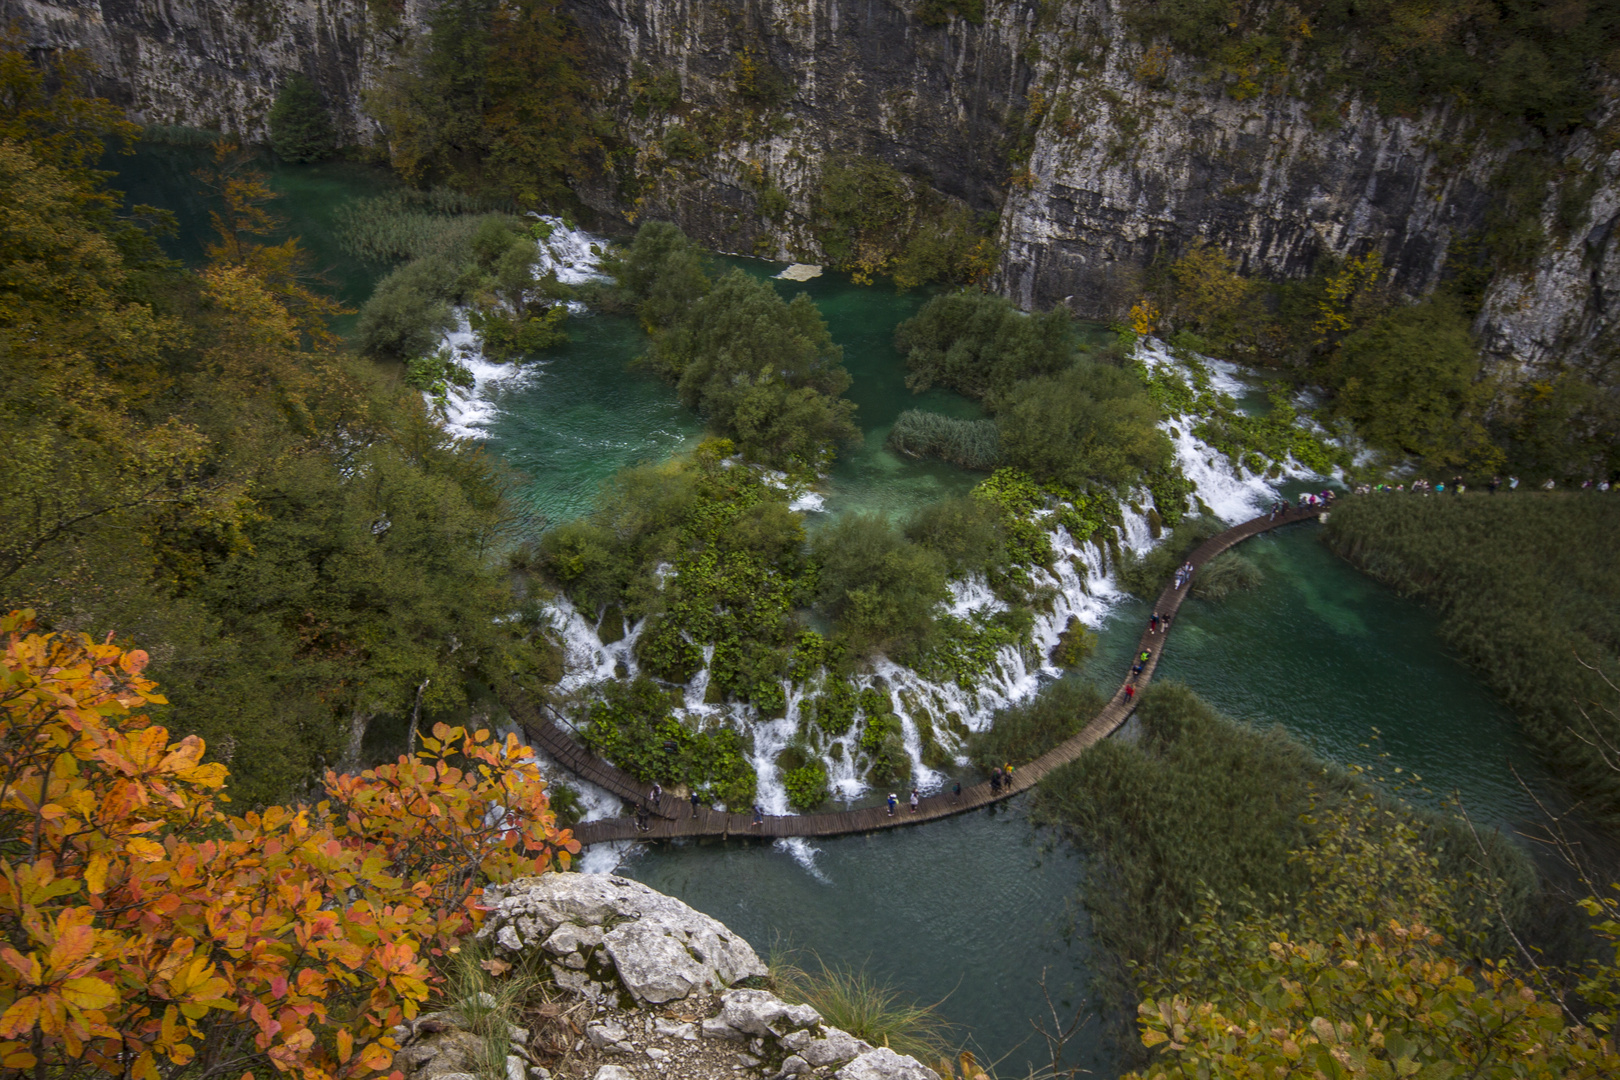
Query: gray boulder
{"points": [[756, 1012], [661, 949], [885, 1064]]}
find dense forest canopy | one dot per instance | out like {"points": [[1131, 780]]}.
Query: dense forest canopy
{"points": [[192, 461]]}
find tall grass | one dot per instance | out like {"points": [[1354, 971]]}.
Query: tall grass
{"points": [[1224, 575], [1203, 810], [972, 444], [854, 1000], [410, 224], [1528, 588]]}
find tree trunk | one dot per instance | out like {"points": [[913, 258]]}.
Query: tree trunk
{"points": [[358, 722]]}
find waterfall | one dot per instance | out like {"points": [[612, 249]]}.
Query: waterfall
{"points": [[1085, 590], [574, 256]]}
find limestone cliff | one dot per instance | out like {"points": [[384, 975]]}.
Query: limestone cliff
{"points": [[1097, 159]]}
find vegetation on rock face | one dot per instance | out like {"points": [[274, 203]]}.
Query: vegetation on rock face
{"points": [[878, 587], [1528, 593], [872, 219], [185, 454], [300, 129], [1405, 378], [493, 101], [1512, 63], [147, 931], [634, 726]]}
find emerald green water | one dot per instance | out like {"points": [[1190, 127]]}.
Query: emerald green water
{"points": [[977, 906]]}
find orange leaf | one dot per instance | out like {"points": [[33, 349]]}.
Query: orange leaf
{"points": [[20, 1018]]}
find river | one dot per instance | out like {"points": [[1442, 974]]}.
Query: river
{"points": [[968, 912]]}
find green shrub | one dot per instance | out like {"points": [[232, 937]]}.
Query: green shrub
{"points": [[883, 742], [1022, 733], [1075, 645], [972, 444], [807, 786], [300, 129], [834, 708], [879, 588], [633, 726], [1409, 381], [409, 311], [763, 372], [980, 345], [966, 532], [1092, 424], [1146, 575]]}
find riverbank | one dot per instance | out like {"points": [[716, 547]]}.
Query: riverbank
{"points": [[1528, 591]]}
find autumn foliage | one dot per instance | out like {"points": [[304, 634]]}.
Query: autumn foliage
{"points": [[146, 933]]}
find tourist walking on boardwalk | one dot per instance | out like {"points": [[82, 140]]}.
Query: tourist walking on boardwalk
{"points": [[956, 792], [892, 802], [694, 802], [913, 800], [995, 780], [641, 817], [759, 816], [1009, 776], [1153, 623], [1130, 692], [657, 795], [1513, 483]]}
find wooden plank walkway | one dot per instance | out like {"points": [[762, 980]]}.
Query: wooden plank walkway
{"points": [[675, 820]]}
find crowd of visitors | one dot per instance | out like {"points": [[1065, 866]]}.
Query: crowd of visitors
{"points": [[1458, 485]]}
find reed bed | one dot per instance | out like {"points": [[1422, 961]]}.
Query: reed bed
{"points": [[410, 224], [972, 444], [1527, 587]]}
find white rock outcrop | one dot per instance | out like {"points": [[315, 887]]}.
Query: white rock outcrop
{"points": [[660, 949], [652, 985]]}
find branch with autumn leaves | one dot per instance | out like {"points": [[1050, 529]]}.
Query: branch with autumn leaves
{"points": [[145, 932]]}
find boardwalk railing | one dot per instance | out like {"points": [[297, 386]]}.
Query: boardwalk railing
{"points": [[674, 820]]}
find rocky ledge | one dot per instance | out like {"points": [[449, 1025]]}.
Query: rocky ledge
{"points": [[632, 985]]}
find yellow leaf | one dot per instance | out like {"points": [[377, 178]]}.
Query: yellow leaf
{"points": [[88, 994], [345, 1045], [144, 849]]}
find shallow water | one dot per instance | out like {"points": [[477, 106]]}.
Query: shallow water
{"points": [[973, 907]]}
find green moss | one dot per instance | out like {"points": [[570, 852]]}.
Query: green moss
{"points": [[633, 726]]}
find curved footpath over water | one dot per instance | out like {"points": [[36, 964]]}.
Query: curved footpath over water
{"points": [[672, 818]]}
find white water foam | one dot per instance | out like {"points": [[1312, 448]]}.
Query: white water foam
{"points": [[575, 257], [1085, 590]]}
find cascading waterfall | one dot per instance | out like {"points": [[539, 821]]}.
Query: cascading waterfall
{"points": [[1085, 590], [573, 256], [1080, 576]]}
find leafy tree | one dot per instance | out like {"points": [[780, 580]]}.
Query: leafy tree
{"points": [[151, 935], [763, 372], [300, 128], [966, 532], [982, 346], [495, 102], [1410, 381], [1092, 424], [880, 588], [662, 271]]}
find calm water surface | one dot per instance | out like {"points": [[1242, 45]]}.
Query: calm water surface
{"points": [[973, 909]]}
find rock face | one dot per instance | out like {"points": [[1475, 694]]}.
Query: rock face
{"points": [[650, 981], [660, 949], [1041, 113]]}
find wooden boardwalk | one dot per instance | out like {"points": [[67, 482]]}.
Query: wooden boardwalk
{"points": [[675, 819]]}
